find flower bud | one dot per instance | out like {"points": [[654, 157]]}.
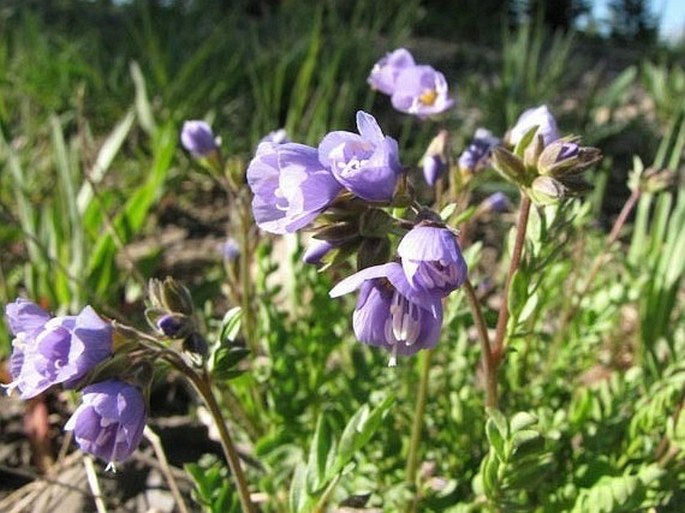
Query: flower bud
{"points": [[564, 157], [477, 155], [173, 325], [316, 251], [197, 137], [175, 297], [496, 202], [196, 344], [434, 161], [508, 165], [546, 190]]}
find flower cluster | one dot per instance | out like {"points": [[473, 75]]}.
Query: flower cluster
{"points": [[413, 88], [48, 351], [345, 183], [293, 183], [546, 166]]}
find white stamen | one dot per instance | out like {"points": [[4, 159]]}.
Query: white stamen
{"points": [[393, 356]]}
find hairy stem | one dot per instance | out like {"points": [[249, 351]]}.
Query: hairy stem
{"points": [[501, 331], [417, 425], [489, 365]]}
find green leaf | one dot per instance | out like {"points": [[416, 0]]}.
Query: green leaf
{"points": [[495, 438], [522, 420], [359, 430], [297, 498], [230, 325], [321, 451]]}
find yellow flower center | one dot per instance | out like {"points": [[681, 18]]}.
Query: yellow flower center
{"points": [[428, 97]]}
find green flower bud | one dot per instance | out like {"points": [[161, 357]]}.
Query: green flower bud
{"points": [[169, 296], [508, 165], [337, 233], [546, 190], [565, 157], [176, 297]]}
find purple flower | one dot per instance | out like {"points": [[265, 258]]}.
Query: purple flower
{"points": [[290, 186], [432, 260], [433, 168], [434, 161], [384, 73], [422, 91], [390, 313], [316, 251], [540, 117], [367, 164], [476, 156], [47, 351], [109, 422], [197, 137], [496, 202], [230, 250]]}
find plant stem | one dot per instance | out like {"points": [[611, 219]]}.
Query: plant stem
{"points": [[204, 388], [500, 333], [202, 384], [246, 286], [417, 425], [489, 365]]}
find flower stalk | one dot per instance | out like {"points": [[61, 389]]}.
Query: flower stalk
{"points": [[501, 330], [489, 364], [202, 384], [417, 426]]}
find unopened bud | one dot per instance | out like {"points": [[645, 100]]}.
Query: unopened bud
{"points": [[546, 190], [316, 251], [172, 325], [477, 155], [196, 344], [434, 161], [176, 297], [508, 165]]}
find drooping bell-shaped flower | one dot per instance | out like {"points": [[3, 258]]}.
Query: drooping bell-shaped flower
{"points": [[384, 74], [367, 164], [109, 422], [47, 351], [478, 153], [390, 313], [540, 117], [197, 137], [290, 186], [432, 260], [421, 91]]}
